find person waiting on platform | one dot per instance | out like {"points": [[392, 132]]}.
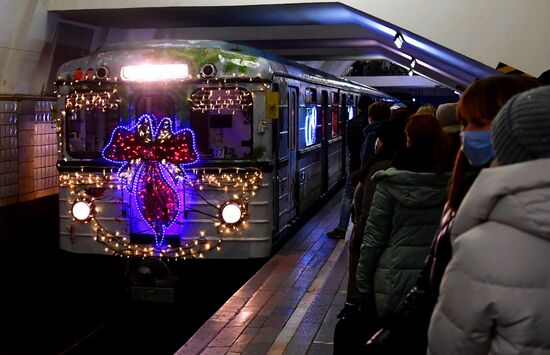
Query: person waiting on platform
{"points": [[495, 293], [446, 115], [476, 109], [404, 216], [390, 140], [358, 132], [427, 109], [352, 330]]}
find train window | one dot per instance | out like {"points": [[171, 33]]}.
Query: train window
{"points": [[292, 120], [160, 106], [351, 107], [310, 127], [283, 131], [311, 95], [222, 122], [89, 127], [334, 120], [335, 126]]}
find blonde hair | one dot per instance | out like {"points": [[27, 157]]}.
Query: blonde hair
{"points": [[426, 109]]}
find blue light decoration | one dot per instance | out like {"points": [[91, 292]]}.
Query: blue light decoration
{"points": [[311, 125], [152, 158]]}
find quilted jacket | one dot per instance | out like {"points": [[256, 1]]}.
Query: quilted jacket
{"points": [[495, 293], [402, 222]]}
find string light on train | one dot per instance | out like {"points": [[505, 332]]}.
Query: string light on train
{"points": [[227, 180], [120, 245], [220, 98], [106, 100], [115, 242], [243, 182]]}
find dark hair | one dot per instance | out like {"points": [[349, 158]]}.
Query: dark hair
{"points": [[379, 111], [428, 149], [479, 105], [392, 135], [483, 99]]}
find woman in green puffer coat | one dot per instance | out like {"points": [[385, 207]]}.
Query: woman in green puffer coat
{"points": [[404, 216]]}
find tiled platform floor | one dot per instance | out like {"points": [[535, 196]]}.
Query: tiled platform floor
{"points": [[290, 305]]}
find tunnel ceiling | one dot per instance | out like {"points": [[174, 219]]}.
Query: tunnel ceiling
{"points": [[322, 32]]}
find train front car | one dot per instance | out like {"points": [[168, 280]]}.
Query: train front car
{"points": [[163, 152]]}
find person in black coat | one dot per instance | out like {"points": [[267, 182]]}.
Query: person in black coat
{"points": [[354, 138]]}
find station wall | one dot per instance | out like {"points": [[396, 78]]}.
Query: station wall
{"points": [[28, 149]]}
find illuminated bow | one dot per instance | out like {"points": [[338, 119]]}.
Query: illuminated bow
{"points": [[152, 158]]}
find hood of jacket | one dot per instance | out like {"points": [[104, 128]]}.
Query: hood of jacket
{"points": [[516, 195], [412, 189]]}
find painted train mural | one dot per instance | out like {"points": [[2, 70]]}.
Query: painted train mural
{"points": [[191, 149]]}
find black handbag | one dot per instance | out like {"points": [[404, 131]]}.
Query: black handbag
{"points": [[355, 326]]}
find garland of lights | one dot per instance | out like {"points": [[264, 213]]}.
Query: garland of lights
{"points": [[89, 100], [233, 99], [243, 182]]}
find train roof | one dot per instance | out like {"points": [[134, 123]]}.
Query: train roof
{"points": [[231, 61]]}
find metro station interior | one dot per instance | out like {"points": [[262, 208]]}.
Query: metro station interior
{"points": [[63, 302]]}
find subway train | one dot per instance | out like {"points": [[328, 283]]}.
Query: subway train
{"points": [[192, 149]]}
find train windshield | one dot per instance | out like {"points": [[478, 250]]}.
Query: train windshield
{"points": [[158, 105], [222, 121], [90, 122]]}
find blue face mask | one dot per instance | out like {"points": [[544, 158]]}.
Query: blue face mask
{"points": [[477, 147]]}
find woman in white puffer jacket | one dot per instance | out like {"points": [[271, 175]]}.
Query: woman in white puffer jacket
{"points": [[495, 294]]}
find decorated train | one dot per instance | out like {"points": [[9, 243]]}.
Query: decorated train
{"points": [[191, 149]]}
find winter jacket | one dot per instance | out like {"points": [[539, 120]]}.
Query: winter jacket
{"points": [[495, 293], [354, 138], [368, 141], [362, 200], [403, 219]]}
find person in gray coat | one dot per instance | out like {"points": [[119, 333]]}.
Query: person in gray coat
{"points": [[495, 293], [404, 216]]}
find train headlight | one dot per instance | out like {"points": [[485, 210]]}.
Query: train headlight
{"points": [[82, 210], [231, 213], [154, 72]]}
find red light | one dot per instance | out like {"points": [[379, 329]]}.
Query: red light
{"points": [[89, 74], [77, 75]]}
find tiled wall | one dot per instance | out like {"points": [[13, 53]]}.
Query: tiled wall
{"points": [[45, 147], [8, 151], [28, 149]]}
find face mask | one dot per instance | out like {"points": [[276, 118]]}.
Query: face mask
{"points": [[477, 147]]}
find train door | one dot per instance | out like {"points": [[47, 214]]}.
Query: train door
{"points": [[344, 125], [294, 181], [281, 143], [325, 132]]}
